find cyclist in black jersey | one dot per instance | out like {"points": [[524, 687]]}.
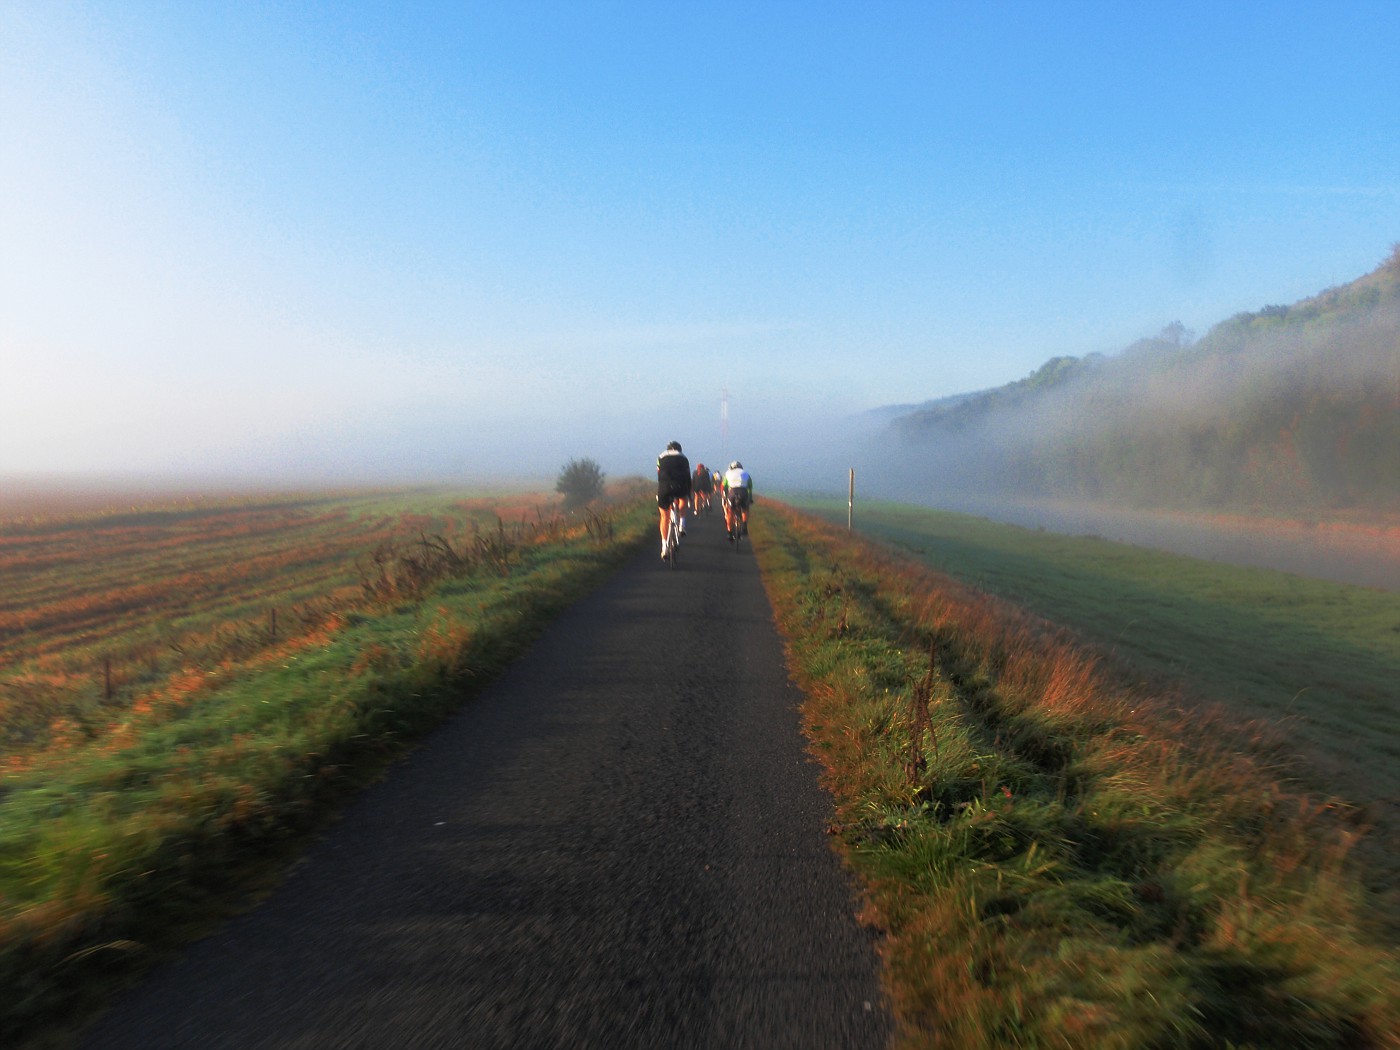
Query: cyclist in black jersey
{"points": [[701, 486], [672, 487]]}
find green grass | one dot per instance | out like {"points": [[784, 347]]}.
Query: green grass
{"points": [[1325, 656], [96, 609], [1058, 857], [114, 846]]}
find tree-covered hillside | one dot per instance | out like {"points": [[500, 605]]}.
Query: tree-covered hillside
{"points": [[1287, 408]]}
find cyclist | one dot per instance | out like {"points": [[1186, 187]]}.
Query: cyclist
{"points": [[738, 497], [672, 487], [701, 486]]}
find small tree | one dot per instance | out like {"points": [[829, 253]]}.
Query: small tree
{"points": [[1177, 334], [580, 482]]}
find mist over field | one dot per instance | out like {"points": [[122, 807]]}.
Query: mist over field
{"points": [[1272, 441], [1291, 409], [784, 443], [293, 247]]}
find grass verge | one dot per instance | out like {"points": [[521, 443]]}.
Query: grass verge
{"points": [[1059, 858], [113, 848], [1320, 660]]}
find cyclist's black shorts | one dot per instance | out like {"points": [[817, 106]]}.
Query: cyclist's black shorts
{"points": [[739, 497], [664, 500]]}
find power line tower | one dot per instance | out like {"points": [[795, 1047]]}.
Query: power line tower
{"points": [[724, 423]]}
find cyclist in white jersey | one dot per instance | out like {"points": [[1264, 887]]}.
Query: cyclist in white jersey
{"points": [[738, 496]]}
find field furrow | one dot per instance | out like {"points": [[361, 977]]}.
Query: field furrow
{"points": [[97, 608]]}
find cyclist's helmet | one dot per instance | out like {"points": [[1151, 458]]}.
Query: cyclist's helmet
{"points": [[736, 465], [699, 467], [673, 446]]}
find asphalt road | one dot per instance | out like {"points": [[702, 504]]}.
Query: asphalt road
{"points": [[619, 844]]}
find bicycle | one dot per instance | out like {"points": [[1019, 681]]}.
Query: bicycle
{"points": [[673, 538], [735, 517]]}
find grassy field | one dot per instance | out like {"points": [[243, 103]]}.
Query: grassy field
{"points": [[130, 818], [1323, 658], [98, 607], [1060, 853], [1066, 842]]}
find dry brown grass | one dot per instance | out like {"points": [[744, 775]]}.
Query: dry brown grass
{"points": [[1058, 856], [99, 609]]}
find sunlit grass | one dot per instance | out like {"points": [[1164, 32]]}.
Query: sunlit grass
{"points": [[115, 837], [1059, 856], [97, 609], [1324, 656]]}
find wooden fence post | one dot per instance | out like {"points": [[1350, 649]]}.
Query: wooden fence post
{"points": [[851, 501]]}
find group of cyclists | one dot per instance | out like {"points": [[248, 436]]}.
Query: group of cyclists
{"points": [[678, 486]]}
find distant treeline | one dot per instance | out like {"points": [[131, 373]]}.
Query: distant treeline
{"points": [[1289, 407]]}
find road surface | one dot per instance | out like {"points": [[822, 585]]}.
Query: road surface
{"points": [[619, 844]]}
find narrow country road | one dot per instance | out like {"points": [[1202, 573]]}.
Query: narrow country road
{"points": [[619, 844]]}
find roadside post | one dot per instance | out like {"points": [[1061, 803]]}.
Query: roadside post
{"points": [[851, 501]]}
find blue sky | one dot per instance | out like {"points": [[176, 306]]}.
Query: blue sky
{"points": [[348, 240]]}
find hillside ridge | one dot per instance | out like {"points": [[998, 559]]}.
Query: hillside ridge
{"points": [[1287, 407]]}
